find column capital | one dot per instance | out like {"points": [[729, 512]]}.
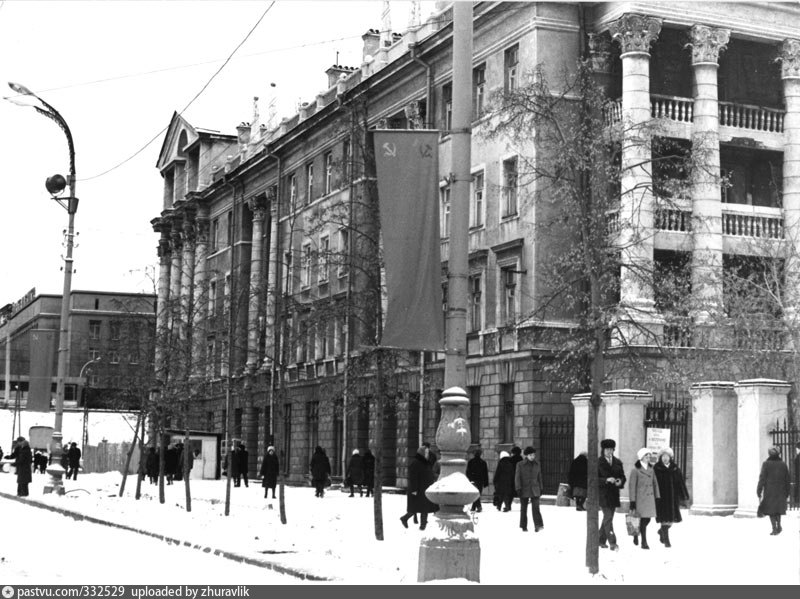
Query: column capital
{"points": [[176, 240], [707, 43], [201, 229], [258, 207], [789, 57], [635, 32], [164, 249], [600, 52]]}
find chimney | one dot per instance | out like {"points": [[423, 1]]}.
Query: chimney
{"points": [[303, 111], [243, 133], [335, 72], [341, 84], [372, 40], [320, 100]]}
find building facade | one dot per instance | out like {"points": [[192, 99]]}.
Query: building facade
{"points": [[269, 238]]}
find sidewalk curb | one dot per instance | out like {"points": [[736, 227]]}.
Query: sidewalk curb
{"points": [[237, 557]]}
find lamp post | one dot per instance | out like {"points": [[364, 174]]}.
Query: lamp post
{"points": [[55, 186], [84, 370]]}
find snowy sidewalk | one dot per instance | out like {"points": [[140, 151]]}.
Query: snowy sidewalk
{"points": [[333, 537]]}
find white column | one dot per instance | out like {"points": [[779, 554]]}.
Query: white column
{"points": [[200, 294], [762, 402], [187, 277], [790, 72], [273, 284], [714, 465], [162, 315], [581, 434], [707, 43], [624, 422], [257, 205], [635, 33]]}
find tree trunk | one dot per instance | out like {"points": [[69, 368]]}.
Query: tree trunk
{"points": [[186, 470], [281, 499], [161, 462], [130, 455], [142, 460], [377, 500], [592, 493]]}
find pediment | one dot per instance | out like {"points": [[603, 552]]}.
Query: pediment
{"points": [[179, 135]]}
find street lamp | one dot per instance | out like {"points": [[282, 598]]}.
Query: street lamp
{"points": [[55, 186], [85, 369]]}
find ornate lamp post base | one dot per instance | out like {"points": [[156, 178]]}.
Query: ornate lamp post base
{"points": [[55, 470]]}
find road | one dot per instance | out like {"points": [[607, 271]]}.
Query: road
{"points": [[95, 554]]}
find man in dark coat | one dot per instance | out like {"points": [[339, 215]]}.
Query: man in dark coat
{"points": [[73, 460], [270, 469], [611, 478], [320, 471], [241, 459], [577, 480], [420, 477], [369, 471], [773, 482], [516, 458], [23, 459], [178, 473], [478, 475], [170, 463], [151, 465], [797, 474], [528, 484], [355, 473], [503, 482]]}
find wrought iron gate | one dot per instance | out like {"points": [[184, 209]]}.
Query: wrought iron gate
{"points": [[785, 439], [557, 437], [672, 415]]}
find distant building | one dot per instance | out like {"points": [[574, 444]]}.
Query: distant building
{"points": [[118, 328]]}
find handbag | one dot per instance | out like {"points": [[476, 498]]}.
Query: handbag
{"points": [[632, 522], [327, 480]]}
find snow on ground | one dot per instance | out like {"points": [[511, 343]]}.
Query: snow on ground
{"points": [[334, 537]]}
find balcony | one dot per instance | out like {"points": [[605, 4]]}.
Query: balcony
{"points": [[756, 222]]}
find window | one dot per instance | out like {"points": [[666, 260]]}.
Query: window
{"points": [[292, 191], [287, 280], [116, 328], [475, 414], [229, 227], [346, 151], [475, 303], [507, 412], [328, 182], [215, 235], [312, 417], [309, 183], [511, 68], [445, 211], [476, 211], [444, 304], [237, 423], [94, 380], [508, 281], [341, 340], [324, 326], [94, 353], [212, 299], [94, 330], [478, 91], [447, 108], [305, 267], [323, 258], [344, 252], [510, 187], [113, 356]]}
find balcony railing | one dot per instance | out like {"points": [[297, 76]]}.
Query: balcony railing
{"points": [[673, 219], [746, 116], [672, 108], [752, 225]]}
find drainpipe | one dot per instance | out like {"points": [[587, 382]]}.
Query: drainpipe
{"points": [[428, 85], [276, 345]]}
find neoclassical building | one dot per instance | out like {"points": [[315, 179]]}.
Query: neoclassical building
{"points": [[269, 237]]}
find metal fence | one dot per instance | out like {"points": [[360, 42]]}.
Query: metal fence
{"points": [[785, 439], [557, 436], [672, 415]]}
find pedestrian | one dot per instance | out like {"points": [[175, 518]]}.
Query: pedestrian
{"points": [[151, 465], [242, 458], [73, 460], [796, 474], [503, 482], [577, 480], [643, 490], [611, 478], [436, 466], [64, 460], [23, 459], [269, 472], [178, 471], [773, 488], [673, 492], [478, 475], [420, 477], [320, 471], [170, 463], [528, 484], [355, 473], [369, 472]]}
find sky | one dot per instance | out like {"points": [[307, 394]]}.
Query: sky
{"points": [[117, 71]]}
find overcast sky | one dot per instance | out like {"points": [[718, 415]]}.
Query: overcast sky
{"points": [[117, 71]]}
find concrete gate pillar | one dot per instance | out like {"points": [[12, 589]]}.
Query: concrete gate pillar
{"points": [[761, 402], [714, 460], [581, 434], [624, 422]]}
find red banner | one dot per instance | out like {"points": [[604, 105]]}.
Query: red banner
{"points": [[42, 351], [408, 172]]}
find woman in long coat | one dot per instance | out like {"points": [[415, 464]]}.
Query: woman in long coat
{"points": [[369, 471], [320, 471], [23, 459], [420, 477], [578, 480], [503, 482], [269, 471], [643, 492], [672, 490], [773, 488], [355, 473]]}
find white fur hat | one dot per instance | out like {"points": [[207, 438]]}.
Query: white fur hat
{"points": [[642, 452], [355, 452], [668, 451], [504, 454]]}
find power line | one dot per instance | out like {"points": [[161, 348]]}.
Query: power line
{"points": [[197, 95]]}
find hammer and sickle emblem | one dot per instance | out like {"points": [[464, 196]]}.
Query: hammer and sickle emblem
{"points": [[425, 151], [389, 149]]}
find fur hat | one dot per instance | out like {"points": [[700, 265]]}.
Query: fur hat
{"points": [[608, 444], [515, 450], [355, 452], [270, 448], [529, 450], [666, 450], [20, 439], [504, 454], [774, 451], [642, 452]]}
